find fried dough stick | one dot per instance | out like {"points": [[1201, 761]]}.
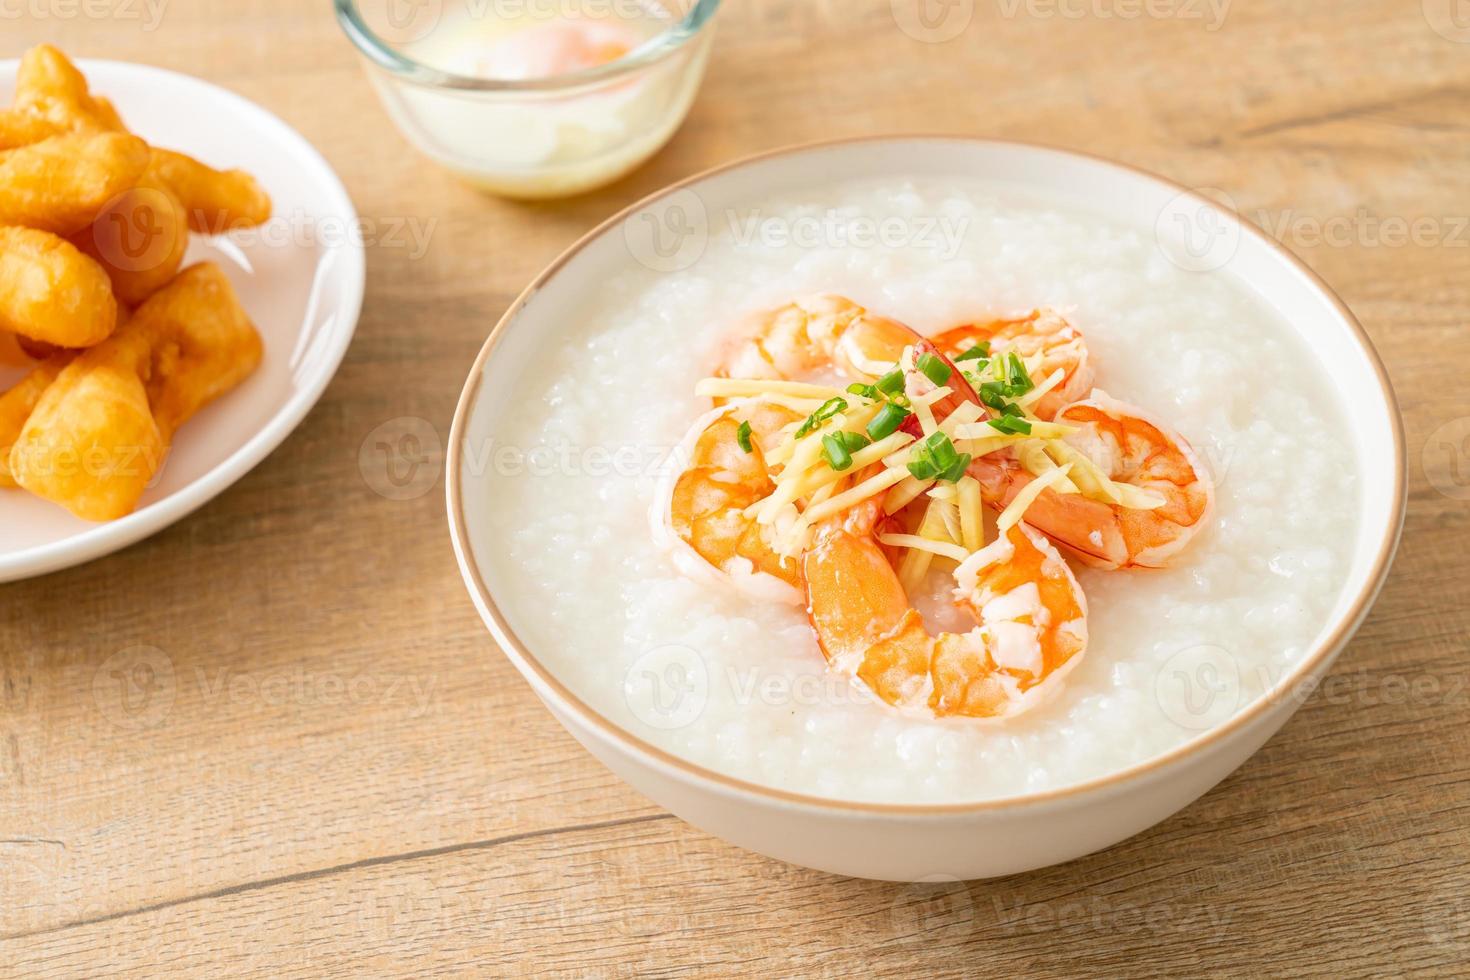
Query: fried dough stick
{"points": [[51, 99], [17, 404], [52, 293], [216, 201], [63, 183], [101, 430], [19, 129], [139, 239], [141, 236], [49, 87]]}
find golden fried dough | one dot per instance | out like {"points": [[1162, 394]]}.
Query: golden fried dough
{"points": [[101, 430], [17, 404], [140, 239], [50, 87], [51, 292], [61, 184], [216, 201], [22, 129], [203, 344], [91, 444], [93, 221], [52, 99], [141, 236], [105, 114]]}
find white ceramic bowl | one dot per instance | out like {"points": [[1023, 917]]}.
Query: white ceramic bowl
{"points": [[300, 278], [998, 836]]}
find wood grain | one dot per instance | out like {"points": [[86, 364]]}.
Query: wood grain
{"points": [[330, 770]]}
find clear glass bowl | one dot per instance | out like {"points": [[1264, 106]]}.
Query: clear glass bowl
{"points": [[536, 137]]}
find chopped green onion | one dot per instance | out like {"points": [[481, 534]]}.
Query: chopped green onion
{"points": [[934, 368], [837, 454], [829, 408], [978, 352], [957, 469], [1017, 378], [867, 391], [838, 448], [973, 371], [937, 457], [887, 421], [891, 383], [742, 436], [941, 450], [1012, 424], [922, 468], [992, 393]]}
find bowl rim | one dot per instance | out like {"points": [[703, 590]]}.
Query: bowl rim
{"points": [[103, 539], [381, 53], [522, 657]]}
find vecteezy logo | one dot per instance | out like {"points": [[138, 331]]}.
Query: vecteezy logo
{"points": [[667, 687], [406, 21], [134, 688], [1198, 687], [402, 458], [933, 21], [1446, 459], [1450, 19], [140, 230], [406, 912], [1446, 916], [134, 238], [936, 907], [671, 234], [1196, 233]]}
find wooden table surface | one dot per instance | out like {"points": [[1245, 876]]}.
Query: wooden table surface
{"points": [[275, 739]]}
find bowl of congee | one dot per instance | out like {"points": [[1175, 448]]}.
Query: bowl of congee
{"points": [[925, 507]]}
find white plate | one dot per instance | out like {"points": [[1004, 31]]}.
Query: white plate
{"points": [[300, 278]]}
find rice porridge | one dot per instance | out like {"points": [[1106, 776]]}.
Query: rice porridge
{"points": [[740, 685]]}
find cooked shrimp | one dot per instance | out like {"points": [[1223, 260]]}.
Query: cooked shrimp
{"points": [[824, 332], [704, 504], [814, 335], [1044, 333], [1031, 616], [1131, 449], [811, 336]]}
